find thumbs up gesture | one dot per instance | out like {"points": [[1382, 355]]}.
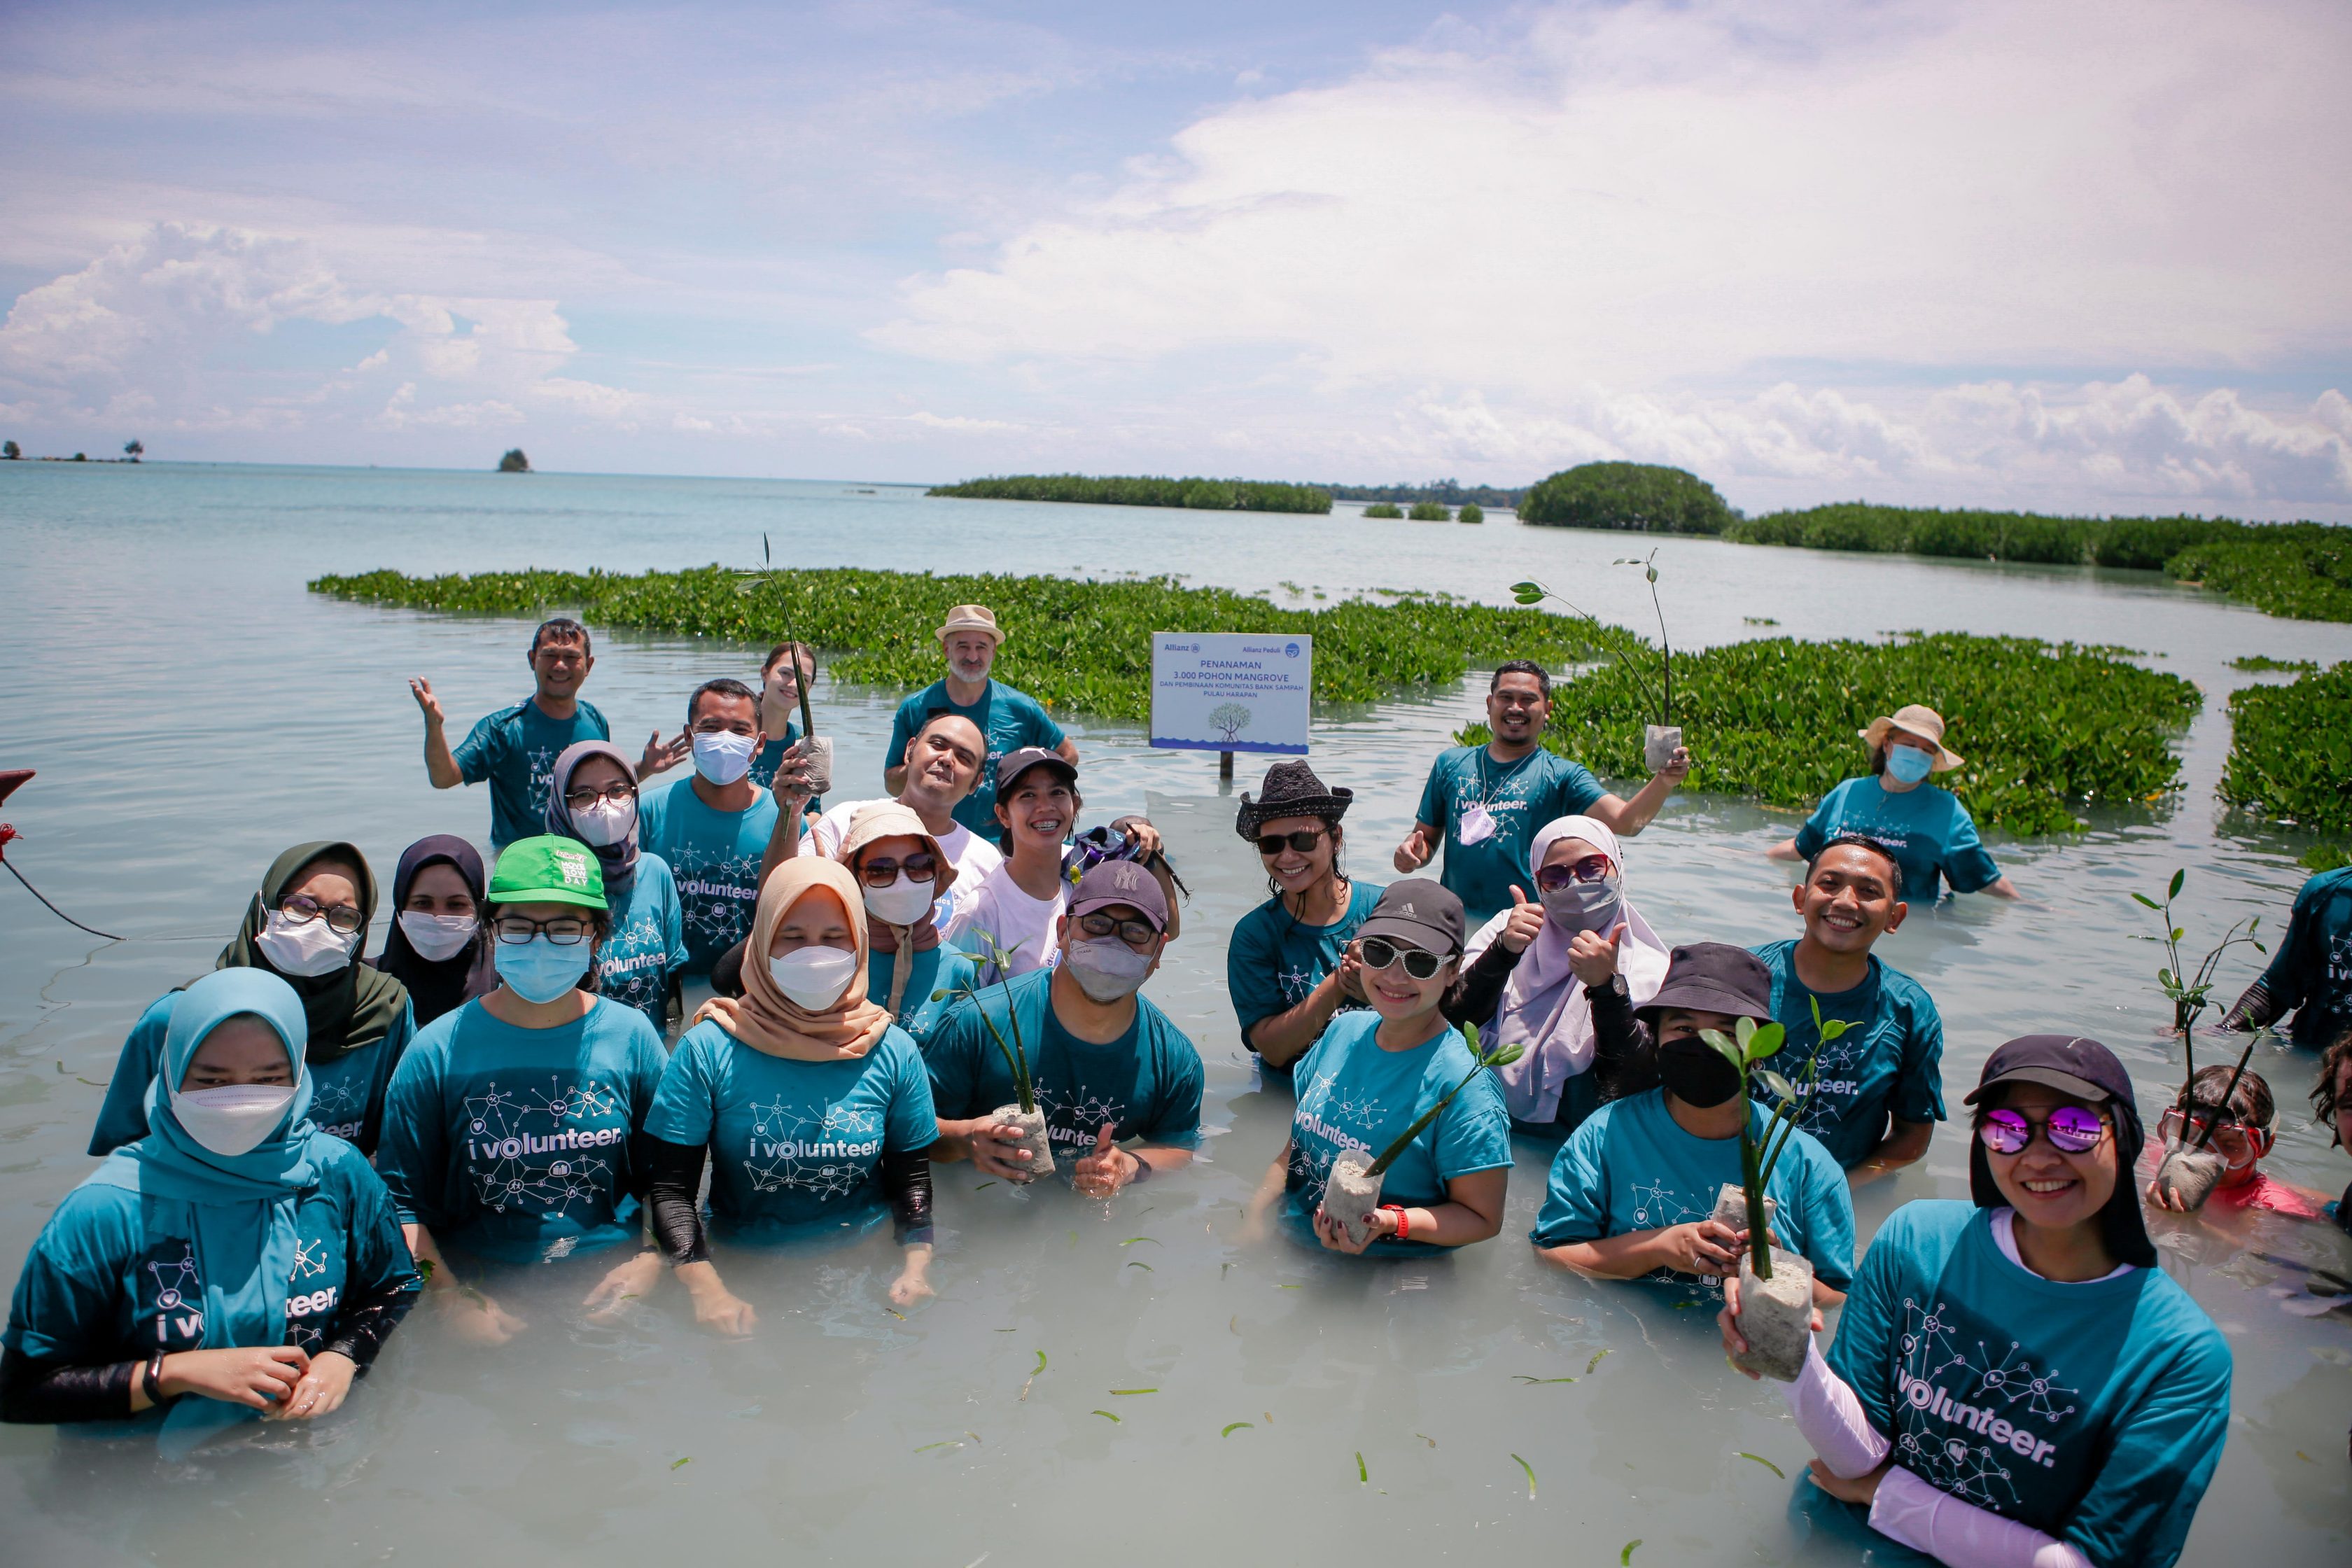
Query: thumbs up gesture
{"points": [[1525, 922], [1106, 1168], [1593, 957]]}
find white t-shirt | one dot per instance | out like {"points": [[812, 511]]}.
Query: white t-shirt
{"points": [[974, 857], [999, 907]]}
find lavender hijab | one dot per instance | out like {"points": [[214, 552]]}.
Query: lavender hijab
{"points": [[1544, 1007]]}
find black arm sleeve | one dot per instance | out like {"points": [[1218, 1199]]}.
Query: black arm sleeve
{"points": [[2254, 1009], [1475, 996], [907, 1181], [673, 1180], [727, 973], [1622, 1052], [363, 1325], [51, 1393]]}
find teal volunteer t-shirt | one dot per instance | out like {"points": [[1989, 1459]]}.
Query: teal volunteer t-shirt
{"points": [[939, 969], [515, 749], [2311, 971], [1926, 830], [513, 1144], [714, 860], [1630, 1167], [1520, 797], [1273, 960], [1147, 1083], [1889, 1063], [2092, 1412], [1009, 719], [647, 944], [346, 1092], [795, 1146], [1354, 1095]]}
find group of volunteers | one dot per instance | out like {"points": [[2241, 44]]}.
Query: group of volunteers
{"points": [[300, 1145]]}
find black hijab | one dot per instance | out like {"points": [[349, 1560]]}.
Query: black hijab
{"points": [[351, 1008], [440, 986]]}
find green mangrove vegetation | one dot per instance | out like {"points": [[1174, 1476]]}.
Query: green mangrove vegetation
{"points": [[1200, 494], [2291, 751], [2299, 570], [2046, 728], [1471, 512], [2264, 664], [1429, 511], [1645, 498], [1074, 644], [1449, 492], [1383, 509]]}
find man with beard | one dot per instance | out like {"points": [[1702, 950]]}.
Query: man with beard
{"points": [[1007, 720]]}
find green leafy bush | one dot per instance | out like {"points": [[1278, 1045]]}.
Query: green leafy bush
{"points": [[2141, 542], [1471, 512], [1429, 511], [1643, 496], [1383, 509], [2264, 664], [1073, 644], [2291, 750], [2045, 728], [2299, 570], [1201, 494]]}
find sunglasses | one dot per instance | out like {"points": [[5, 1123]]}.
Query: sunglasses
{"points": [[1379, 953], [1303, 840], [1591, 869], [2071, 1129], [920, 867], [1135, 934]]}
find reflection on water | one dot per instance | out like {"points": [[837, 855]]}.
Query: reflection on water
{"points": [[192, 711]]}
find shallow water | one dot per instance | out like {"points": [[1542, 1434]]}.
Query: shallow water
{"points": [[191, 711]]}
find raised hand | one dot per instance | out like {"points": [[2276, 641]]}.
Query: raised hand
{"points": [[422, 689], [1349, 975], [791, 787], [1593, 957], [1106, 1169], [661, 756], [1677, 767], [1415, 851], [1525, 922]]}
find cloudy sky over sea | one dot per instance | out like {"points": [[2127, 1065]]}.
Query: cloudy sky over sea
{"points": [[2094, 255]]}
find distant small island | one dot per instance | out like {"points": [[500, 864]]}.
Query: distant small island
{"points": [[1199, 494], [514, 462], [133, 451]]}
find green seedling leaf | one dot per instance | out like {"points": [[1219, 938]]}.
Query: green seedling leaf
{"points": [[2144, 899], [1132, 1240], [1625, 1558], [1234, 1426], [1757, 1044], [683, 1459], [1531, 1477], [1724, 1046], [942, 1443], [1426, 1438], [91, 1081], [1122, 1392], [425, 1268], [941, 995], [1290, 1287], [1041, 1364], [1595, 1361], [1105, 1416], [2179, 877], [1760, 1459], [1363, 1475], [896, 1313], [984, 1186], [1145, 1267], [1781, 1086], [1522, 1377]]}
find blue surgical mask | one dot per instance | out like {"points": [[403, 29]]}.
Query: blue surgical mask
{"points": [[539, 970], [1909, 764]]}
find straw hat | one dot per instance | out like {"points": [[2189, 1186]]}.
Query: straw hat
{"points": [[971, 618], [892, 819], [1916, 720]]}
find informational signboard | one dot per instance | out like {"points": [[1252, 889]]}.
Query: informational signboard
{"points": [[1230, 691]]}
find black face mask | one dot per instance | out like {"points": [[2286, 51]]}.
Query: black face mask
{"points": [[1696, 1074]]}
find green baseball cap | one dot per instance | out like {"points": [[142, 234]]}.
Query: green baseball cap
{"points": [[548, 870]]}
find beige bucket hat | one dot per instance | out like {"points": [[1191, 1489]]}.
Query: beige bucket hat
{"points": [[893, 820], [1916, 720], [971, 618]]}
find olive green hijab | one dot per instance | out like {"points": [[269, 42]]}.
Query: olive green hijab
{"points": [[353, 1007]]}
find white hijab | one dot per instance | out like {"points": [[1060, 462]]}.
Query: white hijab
{"points": [[1544, 1005]]}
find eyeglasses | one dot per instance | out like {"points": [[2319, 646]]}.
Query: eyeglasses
{"points": [[2231, 1136], [302, 907], [563, 931], [1379, 953], [1305, 840], [2072, 1129], [1135, 934], [920, 867], [1591, 869], [581, 797]]}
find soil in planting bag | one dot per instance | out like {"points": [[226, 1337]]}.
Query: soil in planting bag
{"points": [[817, 752], [1731, 1207], [1776, 1316], [1352, 1195], [1658, 744], [2190, 1174], [1032, 1136]]}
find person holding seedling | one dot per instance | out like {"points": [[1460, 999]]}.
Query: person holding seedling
{"points": [[1877, 1090], [595, 801], [1101, 1077], [2014, 1381], [1484, 803], [1289, 965], [1399, 1143], [713, 829], [1533, 972], [2232, 1112], [2310, 975], [812, 1105], [1009, 719], [1930, 834], [1639, 1191]]}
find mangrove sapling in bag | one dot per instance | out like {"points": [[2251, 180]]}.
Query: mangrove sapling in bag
{"points": [[2191, 1169], [1024, 1112], [815, 749], [1352, 1192], [1661, 739]]}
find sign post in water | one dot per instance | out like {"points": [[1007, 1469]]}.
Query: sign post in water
{"points": [[1232, 692]]}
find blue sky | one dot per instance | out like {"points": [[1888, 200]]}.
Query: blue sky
{"points": [[2086, 256]]}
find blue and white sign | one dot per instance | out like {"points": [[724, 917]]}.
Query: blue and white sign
{"points": [[1232, 692]]}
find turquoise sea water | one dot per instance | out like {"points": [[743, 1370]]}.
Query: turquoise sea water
{"points": [[191, 711]]}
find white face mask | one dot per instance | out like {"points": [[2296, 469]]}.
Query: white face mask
{"points": [[608, 822], [436, 937], [814, 977], [723, 757], [903, 903], [235, 1120], [1106, 968], [306, 948]]}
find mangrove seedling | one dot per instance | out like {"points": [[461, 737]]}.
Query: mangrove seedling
{"points": [[817, 752], [1357, 1184], [1024, 1112], [1661, 738], [1776, 1287], [2191, 1169]]}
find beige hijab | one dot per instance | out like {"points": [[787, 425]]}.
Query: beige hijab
{"points": [[771, 1022]]}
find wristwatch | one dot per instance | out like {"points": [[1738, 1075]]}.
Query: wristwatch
{"points": [[152, 1381]]}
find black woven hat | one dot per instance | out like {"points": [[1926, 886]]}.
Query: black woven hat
{"points": [[1291, 789]]}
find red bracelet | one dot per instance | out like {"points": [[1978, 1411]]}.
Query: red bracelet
{"points": [[1404, 1225]]}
